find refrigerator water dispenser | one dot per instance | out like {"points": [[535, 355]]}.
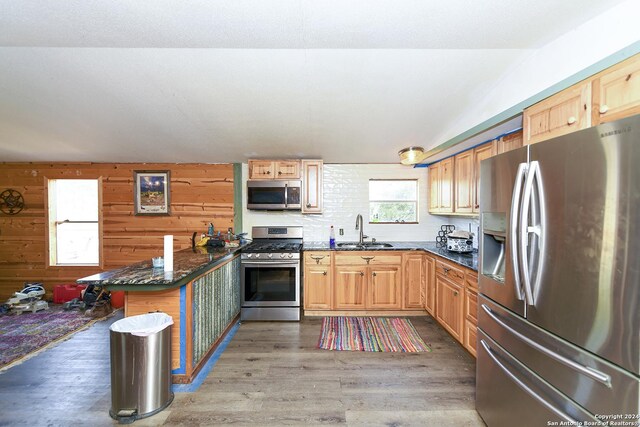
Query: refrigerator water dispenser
{"points": [[493, 245]]}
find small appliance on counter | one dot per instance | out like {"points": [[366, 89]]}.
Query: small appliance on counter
{"points": [[460, 241]]}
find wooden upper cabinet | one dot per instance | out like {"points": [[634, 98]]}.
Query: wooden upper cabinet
{"points": [[434, 187], [385, 288], [562, 113], [616, 91], [479, 154], [464, 197], [413, 280], [262, 169], [312, 186], [287, 169], [274, 169], [509, 142], [446, 185]]}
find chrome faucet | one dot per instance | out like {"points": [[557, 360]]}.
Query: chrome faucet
{"points": [[359, 227]]}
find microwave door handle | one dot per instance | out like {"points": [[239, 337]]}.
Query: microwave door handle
{"points": [[515, 213], [286, 196]]}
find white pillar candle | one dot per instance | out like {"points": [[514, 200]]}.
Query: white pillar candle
{"points": [[168, 252]]}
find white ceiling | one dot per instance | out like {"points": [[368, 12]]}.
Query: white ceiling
{"points": [[223, 81]]}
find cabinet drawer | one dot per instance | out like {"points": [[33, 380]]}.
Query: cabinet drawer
{"points": [[471, 279], [317, 258], [373, 258], [450, 272]]}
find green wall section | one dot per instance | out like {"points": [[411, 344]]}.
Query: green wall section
{"points": [[605, 63], [237, 197]]}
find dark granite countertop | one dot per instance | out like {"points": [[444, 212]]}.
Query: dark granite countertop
{"points": [[469, 260], [187, 265]]}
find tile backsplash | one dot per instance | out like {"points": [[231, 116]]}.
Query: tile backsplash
{"points": [[346, 194]]}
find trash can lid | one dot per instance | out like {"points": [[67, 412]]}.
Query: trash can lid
{"points": [[143, 325]]}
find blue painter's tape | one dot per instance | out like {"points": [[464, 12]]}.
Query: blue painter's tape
{"points": [[183, 332], [204, 372]]}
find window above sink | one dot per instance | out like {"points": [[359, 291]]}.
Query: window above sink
{"points": [[393, 201]]}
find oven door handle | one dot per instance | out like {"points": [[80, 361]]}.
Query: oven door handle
{"points": [[269, 263]]}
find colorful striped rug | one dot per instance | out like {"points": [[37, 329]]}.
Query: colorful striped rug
{"points": [[370, 334]]}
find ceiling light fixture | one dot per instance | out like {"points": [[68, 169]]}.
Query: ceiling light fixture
{"points": [[411, 155]]}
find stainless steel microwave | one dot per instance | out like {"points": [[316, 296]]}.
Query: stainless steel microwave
{"points": [[274, 195]]}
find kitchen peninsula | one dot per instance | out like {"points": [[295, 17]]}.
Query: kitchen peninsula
{"points": [[201, 294]]}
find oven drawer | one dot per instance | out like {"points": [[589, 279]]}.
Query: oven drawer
{"points": [[367, 258], [317, 258]]}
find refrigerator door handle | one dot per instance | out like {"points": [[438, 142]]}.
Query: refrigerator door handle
{"points": [[525, 387], [525, 230], [513, 224], [585, 370], [539, 229]]}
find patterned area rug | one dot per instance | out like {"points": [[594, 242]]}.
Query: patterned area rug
{"points": [[370, 334], [21, 336]]}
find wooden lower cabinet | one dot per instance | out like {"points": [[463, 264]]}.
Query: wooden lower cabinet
{"points": [[384, 290], [470, 337], [414, 280], [430, 276], [317, 287], [349, 287], [375, 288], [470, 319], [450, 305]]}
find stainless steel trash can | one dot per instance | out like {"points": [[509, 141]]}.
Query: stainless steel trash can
{"points": [[140, 366]]}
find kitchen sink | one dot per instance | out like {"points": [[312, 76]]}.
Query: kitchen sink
{"points": [[366, 245]]}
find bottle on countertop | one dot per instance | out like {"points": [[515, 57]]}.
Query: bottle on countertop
{"points": [[332, 238], [229, 234], [210, 232]]}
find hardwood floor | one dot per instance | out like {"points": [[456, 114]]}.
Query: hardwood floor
{"points": [[270, 374]]}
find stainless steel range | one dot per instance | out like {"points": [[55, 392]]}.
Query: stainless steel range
{"points": [[270, 274]]}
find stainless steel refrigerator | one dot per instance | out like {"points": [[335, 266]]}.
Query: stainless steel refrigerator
{"points": [[559, 304]]}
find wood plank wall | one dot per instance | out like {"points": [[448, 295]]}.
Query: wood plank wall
{"points": [[200, 193]]}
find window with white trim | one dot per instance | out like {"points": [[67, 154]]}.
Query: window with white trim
{"points": [[393, 201], [74, 231]]}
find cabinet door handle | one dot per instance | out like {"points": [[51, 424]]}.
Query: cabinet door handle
{"points": [[362, 273], [317, 258], [446, 270], [279, 172], [268, 172], [308, 205], [367, 258], [604, 108], [374, 274], [324, 273], [455, 293], [571, 120]]}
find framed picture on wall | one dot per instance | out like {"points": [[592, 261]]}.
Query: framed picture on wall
{"points": [[151, 192]]}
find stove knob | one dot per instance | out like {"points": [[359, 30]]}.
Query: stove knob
{"points": [[290, 255], [282, 255], [270, 255], [257, 255], [249, 255]]}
